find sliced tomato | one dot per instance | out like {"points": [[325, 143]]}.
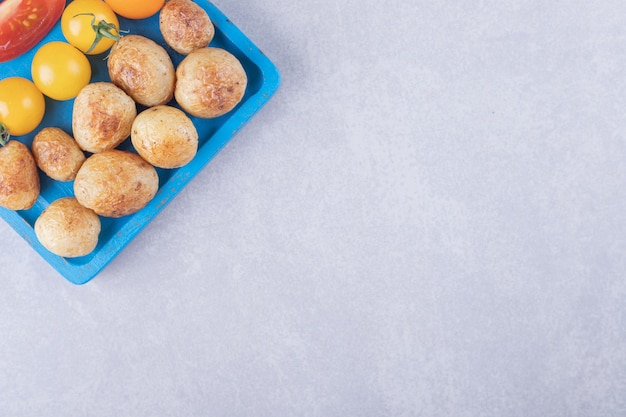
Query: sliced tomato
{"points": [[23, 23]]}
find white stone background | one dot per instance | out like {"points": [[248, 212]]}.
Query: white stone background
{"points": [[428, 219]]}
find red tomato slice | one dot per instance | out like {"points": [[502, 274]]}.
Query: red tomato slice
{"points": [[23, 23]]}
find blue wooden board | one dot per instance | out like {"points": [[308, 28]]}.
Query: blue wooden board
{"points": [[263, 81]]}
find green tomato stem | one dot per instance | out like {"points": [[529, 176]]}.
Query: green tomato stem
{"points": [[5, 135], [102, 30]]}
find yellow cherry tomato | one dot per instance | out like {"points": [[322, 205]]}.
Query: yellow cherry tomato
{"points": [[60, 70], [90, 25], [22, 106], [136, 9]]}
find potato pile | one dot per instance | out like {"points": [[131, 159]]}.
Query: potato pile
{"points": [[109, 182]]}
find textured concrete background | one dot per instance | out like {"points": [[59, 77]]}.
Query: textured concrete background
{"points": [[428, 219]]}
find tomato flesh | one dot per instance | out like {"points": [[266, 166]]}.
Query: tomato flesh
{"points": [[23, 23]]}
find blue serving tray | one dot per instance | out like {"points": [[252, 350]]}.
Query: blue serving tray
{"points": [[263, 81]]}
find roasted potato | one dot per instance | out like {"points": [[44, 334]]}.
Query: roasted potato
{"points": [[143, 69], [68, 229], [57, 154], [164, 136], [210, 82], [102, 117], [115, 183], [19, 178], [185, 26]]}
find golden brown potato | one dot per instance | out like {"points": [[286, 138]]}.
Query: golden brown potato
{"points": [[165, 137], [210, 82], [115, 183], [102, 117], [57, 154], [19, 178], [68, 229], [185, 26], [143, 69]]}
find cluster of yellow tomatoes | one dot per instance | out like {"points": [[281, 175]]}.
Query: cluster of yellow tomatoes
{"points": [[60, 70]]}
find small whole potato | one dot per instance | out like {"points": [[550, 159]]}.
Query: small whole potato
{"points": [[57, 154], [143, 69], [115, 183], [68, 229], [210, 82], [102, 117], [19, 178], [165, 137], [185, 26]]}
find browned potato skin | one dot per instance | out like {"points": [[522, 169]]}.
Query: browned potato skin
{"points": [[185, 26], [165, 137], [115, 183], [102, 117], [19, 178], [143, 69], [57, 154], [210, 82], [68, 229]]}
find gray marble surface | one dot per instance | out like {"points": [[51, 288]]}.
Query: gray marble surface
{"points": [[428, 219]]}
